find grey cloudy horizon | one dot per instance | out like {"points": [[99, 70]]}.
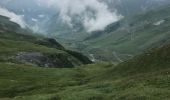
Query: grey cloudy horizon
{"points": [[94, 14], [99, 17]]}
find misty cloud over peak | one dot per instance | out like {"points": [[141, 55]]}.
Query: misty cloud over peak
{"points": [[94, 14], [13, 17], [52, 15]]}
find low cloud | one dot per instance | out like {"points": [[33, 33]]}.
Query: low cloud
{"points": [[13, 17], [94, 14]]}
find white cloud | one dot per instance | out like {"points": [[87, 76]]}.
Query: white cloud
{"points": [[13, 17], [98, 18], [34, 20], [41, 16]]}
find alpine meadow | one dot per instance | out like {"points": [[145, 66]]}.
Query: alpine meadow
{"points": [[84, 50]]}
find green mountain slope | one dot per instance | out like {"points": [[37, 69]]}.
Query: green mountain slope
{"points": [[136, 34], [25, 61], [128, 37], [145, 77], [16, 46]]}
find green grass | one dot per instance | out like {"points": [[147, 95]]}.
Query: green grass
{"points": [[145, 77]]}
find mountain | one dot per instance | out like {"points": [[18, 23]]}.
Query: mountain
{"points": [[128, 8], [22, 47], [35, 14], [128, 37], [136, 48], [123, 7], [121, 40], [44, 19], [144, 77]]}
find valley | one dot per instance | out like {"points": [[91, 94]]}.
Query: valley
{"points": [[127, 60], [127, 38]]}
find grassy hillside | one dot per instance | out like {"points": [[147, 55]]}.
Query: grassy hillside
{"points": [[145, 77], [16, 46], [25, 73]]}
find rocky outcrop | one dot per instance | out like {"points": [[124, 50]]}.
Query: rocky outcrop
{"points": [[45, 60]]}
